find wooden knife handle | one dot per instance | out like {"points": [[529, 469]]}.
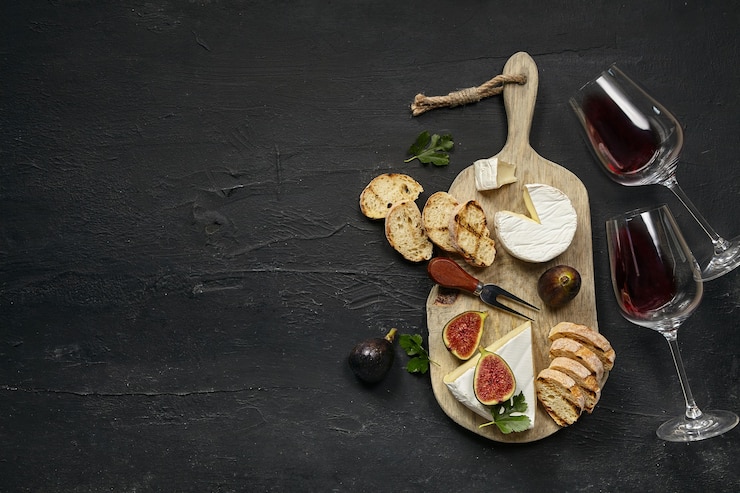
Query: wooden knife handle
{"points": [[447, 273]]}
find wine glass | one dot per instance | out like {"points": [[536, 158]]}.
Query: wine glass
{"points": [[638, 142], [657, 285]]}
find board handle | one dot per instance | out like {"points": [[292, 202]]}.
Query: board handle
{"points": [[447, 273], [519, 101]]}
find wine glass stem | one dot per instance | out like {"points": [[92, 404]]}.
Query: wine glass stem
{"points": [[692, 410], [720, 244]]}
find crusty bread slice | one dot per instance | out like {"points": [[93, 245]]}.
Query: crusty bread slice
{"points": [[470, 234], [385, 190], [572, 349], [405, 233], [561, 397], [594, 341], [583, 378], [436, 219]]}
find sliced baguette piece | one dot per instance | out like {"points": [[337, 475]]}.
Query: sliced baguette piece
{"points": [[583, 378], [436, 219], [405, 233], [561, 397], [470, 234], [572, 349], [384, 190], [594, 341]]}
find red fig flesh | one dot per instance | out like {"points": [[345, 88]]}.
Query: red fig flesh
{"points": [[494, 382], [463, 333]]}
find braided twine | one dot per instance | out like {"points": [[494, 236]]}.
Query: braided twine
{"points": [[493, 87]]}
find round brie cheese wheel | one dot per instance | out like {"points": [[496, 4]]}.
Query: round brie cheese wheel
{"points": [[547, 233]]}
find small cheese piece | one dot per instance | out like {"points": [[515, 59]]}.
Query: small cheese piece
{"points": [[493, 173], [547, 233], [516, 349]]}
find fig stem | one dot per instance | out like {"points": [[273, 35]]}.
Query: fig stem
{"points": [[391, 335]]}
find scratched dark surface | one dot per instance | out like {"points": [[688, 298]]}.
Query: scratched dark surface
{"points": [[184, 267]]}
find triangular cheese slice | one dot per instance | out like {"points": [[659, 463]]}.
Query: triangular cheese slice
{"points": [[516, 349], [493, 173]]}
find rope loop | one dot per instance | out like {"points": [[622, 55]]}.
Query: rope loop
{"points": [[495, 86]]}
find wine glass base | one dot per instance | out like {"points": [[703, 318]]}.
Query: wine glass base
{"points": [[709, 424], [722, 263]]}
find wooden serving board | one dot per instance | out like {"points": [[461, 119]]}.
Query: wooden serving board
{"points": [[508, 272]]}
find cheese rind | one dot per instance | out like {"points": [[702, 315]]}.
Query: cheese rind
{"points": [[516, 349], [547, 233], [493, 173]]}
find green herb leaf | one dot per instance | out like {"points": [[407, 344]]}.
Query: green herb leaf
{"points": [[419, 362], [503, 418], [418, 365], [422, 141], [411, 344], [432, 149]]}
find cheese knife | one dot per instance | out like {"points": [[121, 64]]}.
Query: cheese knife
{"points": [[446, 272]]}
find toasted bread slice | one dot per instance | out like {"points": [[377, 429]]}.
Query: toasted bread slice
{"points": [[583, 378], [470, 234], [385, 190], [594, 341], [436, 219], [405, 233], [561, 397], [572, 349]]}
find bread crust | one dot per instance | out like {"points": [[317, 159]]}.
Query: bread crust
{"points": [[470, 235], [581, 354], [575, 370], [436, 219], [596, 342], [405, 233], [583, 378], [561, 397], [383, 191], [572, 349]]}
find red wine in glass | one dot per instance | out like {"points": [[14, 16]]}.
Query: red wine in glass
{"points": [[656, 283], [643, 276], [638, 141], [626, 146]]}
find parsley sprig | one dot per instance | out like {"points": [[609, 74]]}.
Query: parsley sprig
{"points": [[419, 362], [503, 418], [431, 149]]}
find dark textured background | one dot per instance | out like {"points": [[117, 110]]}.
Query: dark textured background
{"points": [[184, 267]]}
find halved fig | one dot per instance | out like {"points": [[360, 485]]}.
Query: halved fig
{"points": [[493, 381], [463, 333]]}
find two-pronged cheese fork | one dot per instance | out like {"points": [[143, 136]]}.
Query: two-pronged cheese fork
{"points": [[447, 273]]}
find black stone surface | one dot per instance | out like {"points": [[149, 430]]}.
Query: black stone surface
{"points": [[184, 267]]}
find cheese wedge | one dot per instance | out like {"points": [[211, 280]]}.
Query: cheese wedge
{"points": [[493, 173], [548, 231], [516, 349]]}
